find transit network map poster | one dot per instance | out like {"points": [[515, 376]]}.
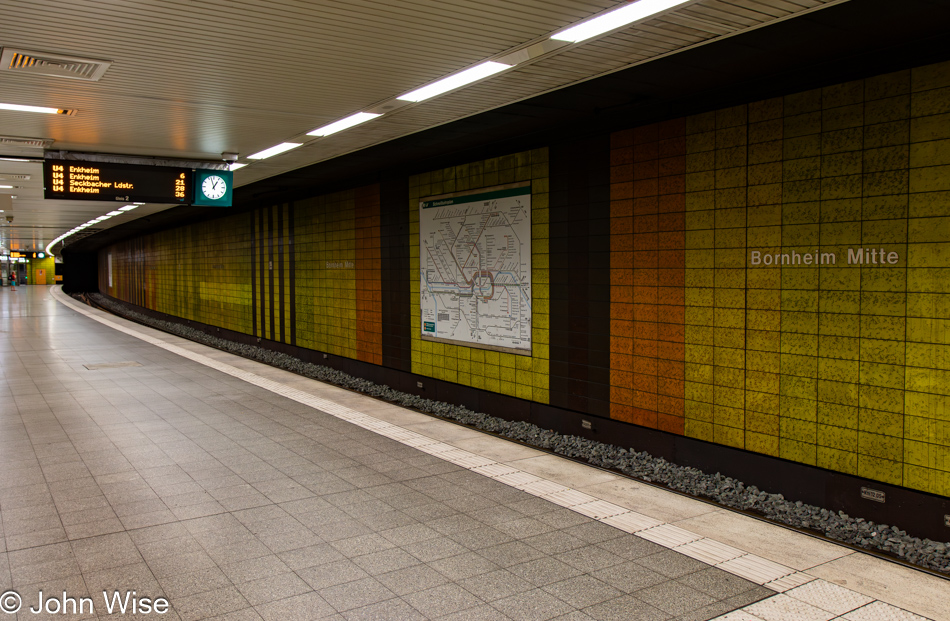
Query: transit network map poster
{"points": [[475, 264]]}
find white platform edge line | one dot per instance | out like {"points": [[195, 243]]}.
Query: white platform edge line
{"points": [[332, 408]]}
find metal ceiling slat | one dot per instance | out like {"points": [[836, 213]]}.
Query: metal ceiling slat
{"points": [[773, 9], [741, 8], [666, 38], [231, 46], [719, 16], [703, 25], [154, 107], [665, 29]]}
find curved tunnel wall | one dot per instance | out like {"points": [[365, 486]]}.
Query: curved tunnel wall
{"points": [[690, 276]]}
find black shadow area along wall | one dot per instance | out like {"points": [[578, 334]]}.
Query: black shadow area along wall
{"points": [[580, 275], [394, 272]]}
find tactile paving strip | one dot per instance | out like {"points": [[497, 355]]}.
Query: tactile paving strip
{"points": [[831, 597]]}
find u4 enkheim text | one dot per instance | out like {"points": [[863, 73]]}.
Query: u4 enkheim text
{"points": [[116, 602], [856, 256]]}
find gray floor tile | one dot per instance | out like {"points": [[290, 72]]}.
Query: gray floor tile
{"points": [[582, 591], [273, 588], [355, 594], [629, 577], [671, 564], [332, 574], [626, 608], [442, 600], [298, 608], [412, 579], [389, 610], [497, 585], [674, 598], [532, 605], [385, 561], [174, 478]]}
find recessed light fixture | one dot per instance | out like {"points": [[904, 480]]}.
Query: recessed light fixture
{"points": [[6, 187], [457, 80], [115, 213], [236, 166], [276, 150], [19, 108], [348, 122], [617, 18], [15, 159], [128, 208]]}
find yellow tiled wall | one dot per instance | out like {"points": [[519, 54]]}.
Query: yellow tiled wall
{"points": [[47, 264], [520, 376], [840, 366], [200, 272], [326, 310], [845, 367]]}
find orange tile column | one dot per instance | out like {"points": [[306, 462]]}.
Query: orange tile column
{"points": [[648, 275], [369, 319]]}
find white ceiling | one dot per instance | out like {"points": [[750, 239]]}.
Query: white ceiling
{"points": [[195, 78]]}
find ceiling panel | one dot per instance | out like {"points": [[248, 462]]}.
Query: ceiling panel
{"points": [[195, 78]]}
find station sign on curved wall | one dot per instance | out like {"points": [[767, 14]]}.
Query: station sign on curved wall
{"points": [[780, 277]]}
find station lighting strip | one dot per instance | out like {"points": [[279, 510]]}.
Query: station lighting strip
{"points": [[607, 22], [94, 221], [601, 24]]}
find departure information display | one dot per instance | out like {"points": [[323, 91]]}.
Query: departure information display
{"points": [[100, 181]]}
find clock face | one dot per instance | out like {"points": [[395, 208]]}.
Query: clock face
{"points": [[214, 187]]}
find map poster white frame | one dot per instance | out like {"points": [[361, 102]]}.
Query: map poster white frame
{"points": [[475, 268]]}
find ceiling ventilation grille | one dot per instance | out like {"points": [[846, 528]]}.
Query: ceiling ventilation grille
{"points": [[15, 141], [56, 65]]}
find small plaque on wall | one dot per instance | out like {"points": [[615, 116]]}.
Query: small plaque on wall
{"points": [[872, 494]]}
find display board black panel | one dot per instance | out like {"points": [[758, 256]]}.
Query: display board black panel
{"points": [[101, 181]]}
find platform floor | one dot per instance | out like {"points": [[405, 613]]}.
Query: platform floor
{"points": [[135, 460]]}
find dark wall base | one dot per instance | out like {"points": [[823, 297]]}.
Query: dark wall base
{"points": [[919, 513], [80, 272]]}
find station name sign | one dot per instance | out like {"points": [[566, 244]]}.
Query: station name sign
{"points": [[855, 256], [135, 183]]}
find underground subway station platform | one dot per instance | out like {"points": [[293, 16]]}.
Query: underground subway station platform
{"points": [[589, 310]]}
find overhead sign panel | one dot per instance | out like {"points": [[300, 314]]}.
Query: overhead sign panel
{"points": [[102, 181]]}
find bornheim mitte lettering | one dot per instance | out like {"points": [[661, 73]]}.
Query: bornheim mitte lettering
{"points": [[856, 256]]}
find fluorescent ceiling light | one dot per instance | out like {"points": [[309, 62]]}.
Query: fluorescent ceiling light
{"points": [[19, 108], [14, 159], [115, 213], [348, 122], [6, 187], [617, 18], [128, 208], [236, 166], [284, 146], [472, 74], [101, 218]]}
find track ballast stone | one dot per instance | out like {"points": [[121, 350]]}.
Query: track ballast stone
{"points": [[723, 490]]}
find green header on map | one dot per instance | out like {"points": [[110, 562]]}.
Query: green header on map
{"points": [[476, 198]]}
